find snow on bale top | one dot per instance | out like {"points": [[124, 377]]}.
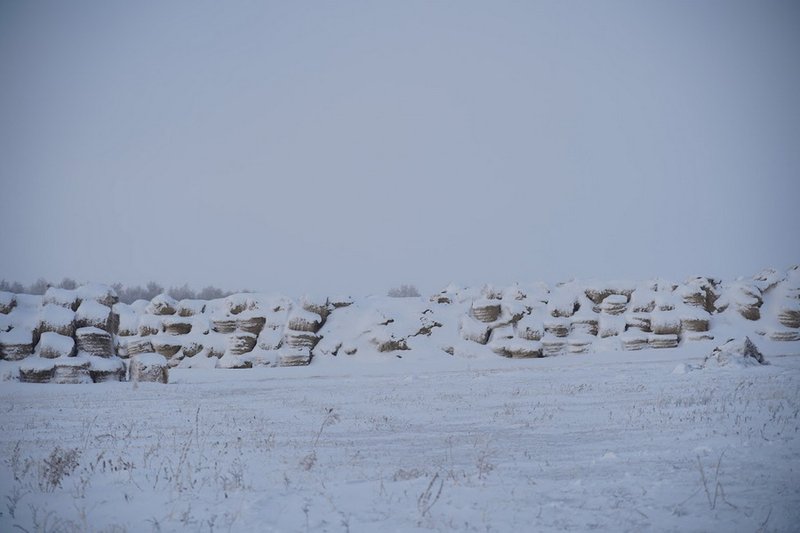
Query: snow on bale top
{"points": [[17, 336], [56, 315], [99, 293], [163, 304], [563, 301], [7, 301], [189, 307], [52, 345], [92, 313], [236, 303], [736, 353], [62, 297]]}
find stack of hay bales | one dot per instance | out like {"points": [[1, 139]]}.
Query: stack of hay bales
{"points": [[666, 327], [16, 344], [149, 367], [300, 337], [56, 319], [696, 322], [7, 302], [52, 345]]}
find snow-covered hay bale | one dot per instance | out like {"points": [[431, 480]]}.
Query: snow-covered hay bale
{"points": [[270, 339], [300, 339], [633, 340], [485, 310], [655, 340], [138, 345], [558, 327], [302, 320], [190, 307], [699, 292], [294, 357], [61, 297], [94, 341], [223, 324], [784, 335], [7, 302], [162, 305], [610, 325], [52, 345], [93, 314], [97, 292], [530, 327], [639, 321], [584, 325], [191, 348], [743, 297], [71, 370], [389, 344], [614, 304], [237, 303], [789, 314], [57, 319], [36, 370], [176, 325], [735, 353], [150, 325], [473, 330], [517, 348], [579, 343], [696, 320], [251, 324], [102, 369], [150, 367], [665, 323], [166, 345], [241, 342], [563, 303], [337, 302], [128, 321], [316, 305], [16, 344], [553, 345]]}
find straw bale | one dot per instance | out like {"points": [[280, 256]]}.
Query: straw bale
{"points": [[57, 319], [162, 305], [485, 310], [149, 367], [61, 297], [634, 340], [150, 325], [223, 324], [94, 341], [37, 370], [71, 370], [300, 339], [177, 325], [7, 302], [251, 324], [473, 330], [102, 370], [656, 340], [189, 307], [52, 345], [558, 327], [302, 320], [16, 344], [166, 345], [517, 348], [553, 345], [93, 314], [241, 342], [294, 357]]}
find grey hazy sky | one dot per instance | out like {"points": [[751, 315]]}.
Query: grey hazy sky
{"points": [[353, 146]]}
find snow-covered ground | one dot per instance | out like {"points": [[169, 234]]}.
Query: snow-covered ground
{"points": [[617, 441]]}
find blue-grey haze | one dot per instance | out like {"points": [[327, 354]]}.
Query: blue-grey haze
{"points": [[353, 146]]}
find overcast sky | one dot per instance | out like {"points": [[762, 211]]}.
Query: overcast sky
{"points": [[334, 147]]}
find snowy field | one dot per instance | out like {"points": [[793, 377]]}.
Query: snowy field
{"points": [[609, 441]]}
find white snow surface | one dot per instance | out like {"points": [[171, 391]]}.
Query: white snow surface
{"points": [[615, 442]]}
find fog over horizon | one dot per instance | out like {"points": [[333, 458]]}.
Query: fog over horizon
{"points": [[351, 147]]}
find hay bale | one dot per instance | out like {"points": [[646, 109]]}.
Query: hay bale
{"points": [[191, 348], [665, 323], [270, 339], [517, 348], [251, 324], [735, 353], [294, 357], [71, 370], [94, 341], [128, 320], [584, 325], [150, 367], [300, 339], [65, 298], [633, 340], [337, 302], [473, 330], [223, 324], [389, 344], [36, 370], [558, 327], [166, 345], [698, 337], [150, 325], [52, 345], [237, 303], [638, 321], [485, 310], [610, 325], [614, 304], [188, 307], [789, 314], [784, 335], [97, 292], [16, 344], [7, 302], [655, 340], [105, 369], [56, 319], [695, 320], [177, 325], [163, 305], [563, 303], [530, 327], [93, 314], [302, 320], [579, 343], [316, 305], [553, 345], [135, 346], [241, 343]]}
